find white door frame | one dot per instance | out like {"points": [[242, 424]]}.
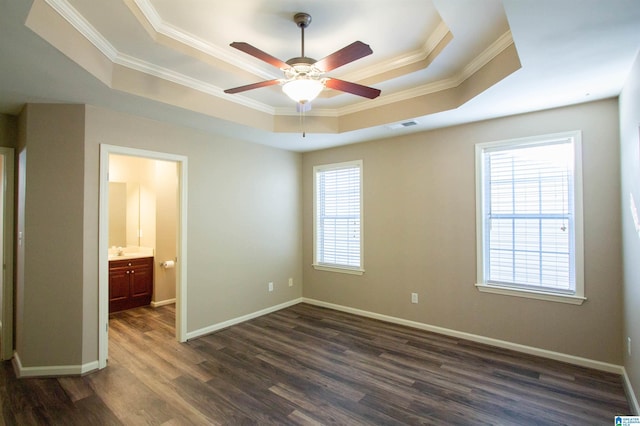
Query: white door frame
{"points": [[103, 241], [7, 251]]}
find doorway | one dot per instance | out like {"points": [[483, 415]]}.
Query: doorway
{"points": [[180, 164], [6, 252]]}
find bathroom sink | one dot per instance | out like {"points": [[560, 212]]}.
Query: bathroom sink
{"points": [[125, 256], [129, 252]]}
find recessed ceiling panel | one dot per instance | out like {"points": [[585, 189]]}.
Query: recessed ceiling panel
{"points": [[420, 48]]}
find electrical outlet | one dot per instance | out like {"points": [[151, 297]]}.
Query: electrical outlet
{"points": [[629, 346], [414, 297], [290, 282], [271, 286]]}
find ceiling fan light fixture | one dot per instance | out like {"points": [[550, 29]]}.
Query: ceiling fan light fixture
{"points": [[303, 76], [303, 90]]}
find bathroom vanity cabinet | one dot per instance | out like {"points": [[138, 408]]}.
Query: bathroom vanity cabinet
{"points": [[130, 283]]}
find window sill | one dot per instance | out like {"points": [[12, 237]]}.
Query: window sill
{"points": [[334, 268], [539, 295]]}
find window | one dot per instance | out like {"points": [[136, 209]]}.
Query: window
{"points": [[529, 217], [338, 217]]}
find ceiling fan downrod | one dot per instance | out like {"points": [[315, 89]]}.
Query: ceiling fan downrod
{"points": [[302, 20]]}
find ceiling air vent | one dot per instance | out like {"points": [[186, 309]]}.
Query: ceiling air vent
{"points": [[403, 124]]}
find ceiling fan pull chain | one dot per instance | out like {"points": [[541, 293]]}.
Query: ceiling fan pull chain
{"points": [[301, 107]]}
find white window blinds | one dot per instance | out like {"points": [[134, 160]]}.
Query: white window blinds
{"points": [[338, 198], [529, 215]]}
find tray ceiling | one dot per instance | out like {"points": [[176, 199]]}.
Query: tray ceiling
{"points": [[437, 62], [179, 53]]}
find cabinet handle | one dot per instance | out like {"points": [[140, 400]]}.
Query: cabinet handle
{"points": [[127, 272], [133, 272]]}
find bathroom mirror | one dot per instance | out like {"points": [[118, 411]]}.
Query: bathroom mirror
{"points": [[124, 214]]}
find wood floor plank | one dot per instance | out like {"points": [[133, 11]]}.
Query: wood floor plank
{"points": [[294, 368], [76, 387], [254, 382], [307, 365]]}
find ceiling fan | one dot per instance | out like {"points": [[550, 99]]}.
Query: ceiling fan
{"points": [[304, 77]]}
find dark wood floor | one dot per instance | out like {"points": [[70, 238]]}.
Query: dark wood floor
{"points": [[309, 365]]}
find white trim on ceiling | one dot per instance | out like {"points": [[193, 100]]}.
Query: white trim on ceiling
{"points": [[155, 20], [403, 60], [502, 43], [487, 55], [171, 31], [71, 15], [187, 81], [188, 39]]}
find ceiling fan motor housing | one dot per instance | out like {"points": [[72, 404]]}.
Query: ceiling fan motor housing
{"points": [[302, 19], [302, 67]]}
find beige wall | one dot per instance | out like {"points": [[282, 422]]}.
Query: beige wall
{"points": [[419, 235], [49, 308], [249, 209], [8, 131], [167, 201], [244, 214], [630, 164], [117, 214], [244, 226]]}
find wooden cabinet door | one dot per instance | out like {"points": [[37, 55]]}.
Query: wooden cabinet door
{"points": [[141, 284], [119, 289], [130, 283]]}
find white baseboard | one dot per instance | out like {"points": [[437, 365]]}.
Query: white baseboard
{"points": [[51, 371], [163, 303], [47, 371], [238, 320], [571, 359], [78, 370], [631, 395]]}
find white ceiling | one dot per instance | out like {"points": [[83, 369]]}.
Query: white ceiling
{"points": [[570, 51]]}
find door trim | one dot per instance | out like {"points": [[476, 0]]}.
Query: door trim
{"points": [[103, 241], [8, 155]]}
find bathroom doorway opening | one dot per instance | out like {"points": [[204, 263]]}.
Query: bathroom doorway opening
{"points": [[6, 252], [143, 209]]}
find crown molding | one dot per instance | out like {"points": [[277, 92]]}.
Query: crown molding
{"points": [[497, 47], [185, 38], [150, 13], [190, 82], [73, 17], [403, 60], [190, 40]]}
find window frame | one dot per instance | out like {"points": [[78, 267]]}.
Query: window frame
{"points": [[577, 297], [333, 267]]}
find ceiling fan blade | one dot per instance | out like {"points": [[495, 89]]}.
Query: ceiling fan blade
{"points": [[350, 53], [257, 53], [353, 88], [252, 86]]}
